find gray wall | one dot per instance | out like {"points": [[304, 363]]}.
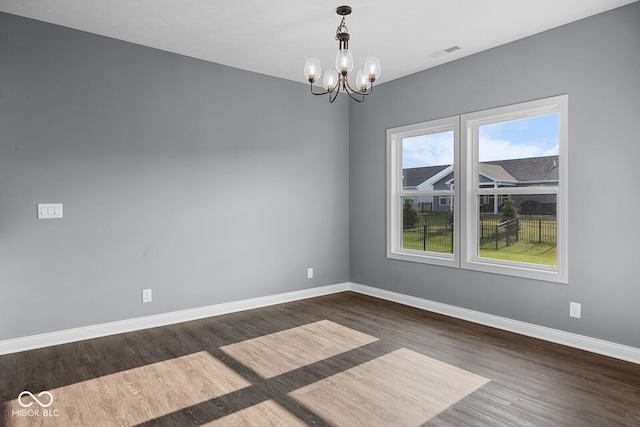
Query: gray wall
{"points": [[597, 62], [205, 183], [210, 184]]}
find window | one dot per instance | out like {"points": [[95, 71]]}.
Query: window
{"points": [[511, 166], [515, 189], [422, 167], [425, 206]]}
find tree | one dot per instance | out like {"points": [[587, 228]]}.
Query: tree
{"points": [[509, 209], [410, 214]]}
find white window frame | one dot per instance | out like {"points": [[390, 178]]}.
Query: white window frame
{"points": [[466, 171], [396, 194], [470, 124]]}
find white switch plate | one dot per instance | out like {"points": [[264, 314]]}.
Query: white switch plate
{"points": [[310, 273], [49, 210], [146, 295], [575, 309]]}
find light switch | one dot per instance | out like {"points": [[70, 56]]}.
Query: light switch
{"points": [[49, 210]]}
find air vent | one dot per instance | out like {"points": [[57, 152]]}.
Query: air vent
{"points": [[443, 52]]}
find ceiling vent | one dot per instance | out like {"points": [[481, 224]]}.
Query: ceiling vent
{"points": [[439, 53]]}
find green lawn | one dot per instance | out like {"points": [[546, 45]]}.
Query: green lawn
{"points": [[533, 253], [434, 243]]}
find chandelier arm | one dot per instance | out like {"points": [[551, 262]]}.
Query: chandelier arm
{"points": [[321, 93], [357, 91], [350, 91], [351, 95], [337, 89]]}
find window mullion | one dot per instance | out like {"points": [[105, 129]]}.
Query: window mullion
{"points": [[516, 190]]}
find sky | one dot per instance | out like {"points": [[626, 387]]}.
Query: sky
{"points": [[518, 139]]}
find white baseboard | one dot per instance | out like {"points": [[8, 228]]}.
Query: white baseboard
{"points": [[606, 348], [95, 331], [618, 351]]}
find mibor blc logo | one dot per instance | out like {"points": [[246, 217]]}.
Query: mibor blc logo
{"points": [[28, 393], [26, 399]]}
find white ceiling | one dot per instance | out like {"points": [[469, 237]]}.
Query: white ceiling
{"points": [[274, 37]]}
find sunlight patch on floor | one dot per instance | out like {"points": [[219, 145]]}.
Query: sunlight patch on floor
{"points": [[400, 388], [285, 351], [267, 413], [132, 396]]}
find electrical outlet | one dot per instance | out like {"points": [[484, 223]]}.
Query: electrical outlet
{"points": [[146, 295], [310, 273], [575, 309]]}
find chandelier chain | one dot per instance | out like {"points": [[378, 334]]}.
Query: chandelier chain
{"points": [[342, 29]]}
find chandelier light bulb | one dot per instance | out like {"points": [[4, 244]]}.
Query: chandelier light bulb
{"points": [[312, 69], [344, 61], [330, 80], [372, 68], [362, 81]]}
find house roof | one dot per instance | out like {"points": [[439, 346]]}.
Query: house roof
{"points": [[532, 169], [495, 172], [416, 176]]}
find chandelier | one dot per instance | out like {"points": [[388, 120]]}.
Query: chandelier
{"points": [[337, 80]]}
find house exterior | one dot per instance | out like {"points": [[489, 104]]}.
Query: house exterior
{"points": [[528, 172]]}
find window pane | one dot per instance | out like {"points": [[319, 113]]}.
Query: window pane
{"points": [[520, 153], [516, 139], [425, 159], [429, 228], [519, 228]]}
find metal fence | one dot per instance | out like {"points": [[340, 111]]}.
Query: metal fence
{"points": [[507, 233], [435, 236], [531, 229]]}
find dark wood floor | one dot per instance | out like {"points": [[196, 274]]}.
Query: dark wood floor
{"points": [[342, 359]]}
